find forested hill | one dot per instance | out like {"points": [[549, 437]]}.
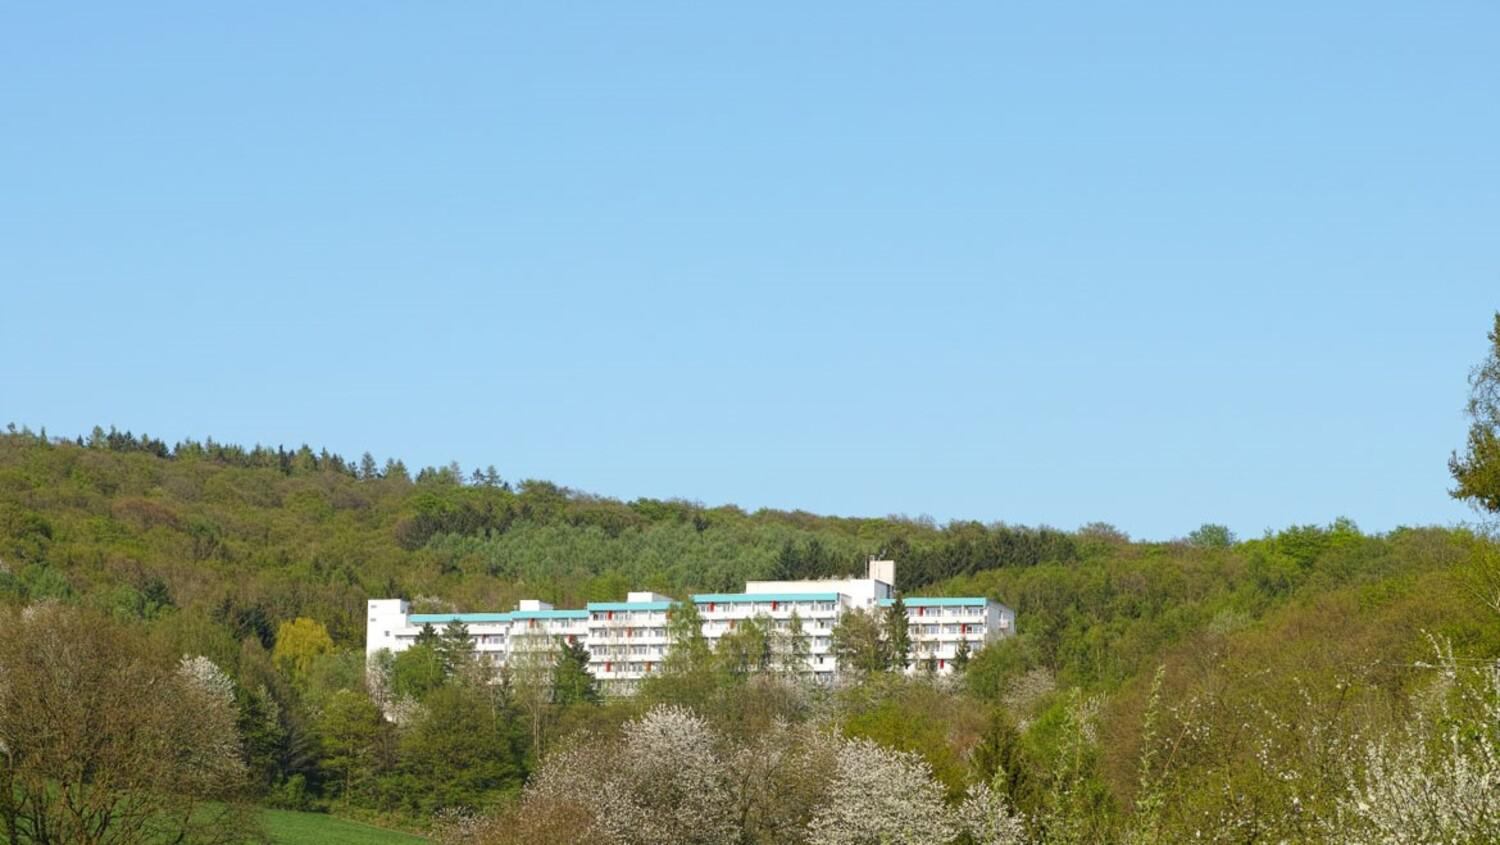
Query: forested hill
{"points": [[252, 537], [1242, 678], [238, 541]]}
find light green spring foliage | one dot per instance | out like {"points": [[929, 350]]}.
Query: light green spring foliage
{"points": [[1282, 654], [1477, 469], [299, 643]]}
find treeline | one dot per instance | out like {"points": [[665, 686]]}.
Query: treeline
{"points": [[258, 535], [1293, 687], [1262, 691]]}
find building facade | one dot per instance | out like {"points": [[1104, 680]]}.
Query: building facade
{"points": [[628, 640]]}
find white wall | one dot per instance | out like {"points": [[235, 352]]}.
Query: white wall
{"points": [[384, 619]]}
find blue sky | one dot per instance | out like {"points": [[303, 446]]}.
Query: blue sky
{"points": [[1150, 263]]}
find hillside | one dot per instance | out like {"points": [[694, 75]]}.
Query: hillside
{"points": [[256, 536], [1234, 675]]}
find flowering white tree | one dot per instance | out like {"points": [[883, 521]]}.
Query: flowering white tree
{"points": [[1439, 780], [664, 783], [677, 773], [213, 754], [988, 818], [880, 796], [206, 676]]}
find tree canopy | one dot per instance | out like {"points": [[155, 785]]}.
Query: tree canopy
{"points": [[1477, 469]]}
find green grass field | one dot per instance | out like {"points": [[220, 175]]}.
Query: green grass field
{"points": [[289, 828]]}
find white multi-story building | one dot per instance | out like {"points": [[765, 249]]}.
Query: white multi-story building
{"points": [[938, 624], [628, 640]]}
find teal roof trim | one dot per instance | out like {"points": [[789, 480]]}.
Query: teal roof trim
{"points": [[549, 614], [426, 618], [631, 605], [733, 598], [938, 601]]}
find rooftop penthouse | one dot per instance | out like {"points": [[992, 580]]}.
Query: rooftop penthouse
{"points": [[627, 640]]}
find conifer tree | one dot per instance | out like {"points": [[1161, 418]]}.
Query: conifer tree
{"points": [[427, 636], [456, 647], [898, 635], [961, 655], [794, 659], [572, 682]]}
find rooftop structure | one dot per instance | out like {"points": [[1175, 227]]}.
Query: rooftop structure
{"points": [[628, 640]]}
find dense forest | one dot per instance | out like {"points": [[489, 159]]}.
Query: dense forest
{"points": [[1316, 683]]}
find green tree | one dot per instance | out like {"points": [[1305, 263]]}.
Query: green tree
{"points": [[527, 677], [1000, 759], [262, 736], [897, 635], [798, 649], [685, 630], [1477, 471], [298, 644], [748, 648], [417, 671], [427, 635], [330, 673], [1211, 536], [348, 728], [858, 645], [456, 648], [788, 563], [572, 682], [462, 752], [961, 655], [687, 673]]}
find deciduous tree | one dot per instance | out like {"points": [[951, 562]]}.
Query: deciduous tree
{"points": [[298, 643], [103, 742], [1477, 470], [858, 645], [881, 797]]}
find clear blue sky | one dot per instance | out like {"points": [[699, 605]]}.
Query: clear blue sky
{"points": [[1150, 263]]}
